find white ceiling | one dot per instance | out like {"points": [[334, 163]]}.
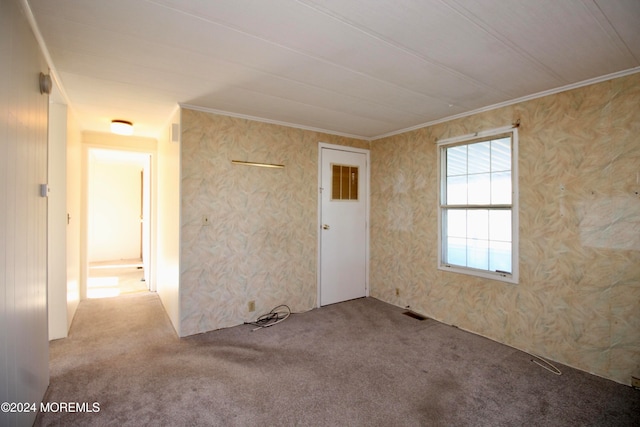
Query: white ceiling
{"points": [[356, 67]]}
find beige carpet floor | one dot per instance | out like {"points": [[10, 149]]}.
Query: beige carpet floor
{"points": [[113, 278], [358, 363]]}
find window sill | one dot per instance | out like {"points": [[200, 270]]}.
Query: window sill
{"points": [[501, 277]]}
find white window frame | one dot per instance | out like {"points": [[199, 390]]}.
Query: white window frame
{"points": [[468, 139]]}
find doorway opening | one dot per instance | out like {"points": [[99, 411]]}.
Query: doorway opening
{"points": [[118, 218]]}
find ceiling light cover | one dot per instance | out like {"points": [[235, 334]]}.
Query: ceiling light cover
{"points": [[121, 127]]}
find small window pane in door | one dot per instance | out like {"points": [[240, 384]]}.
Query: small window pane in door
{"points": [[336, 182], [344, 182]]}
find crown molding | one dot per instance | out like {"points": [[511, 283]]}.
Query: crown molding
{"points": [[273, 122], [560, 89]]}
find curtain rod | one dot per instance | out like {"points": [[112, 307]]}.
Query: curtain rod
{"points": [[262, 165], [479, 134]]}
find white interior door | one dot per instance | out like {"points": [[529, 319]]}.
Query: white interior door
{"points": [[343, 224]]}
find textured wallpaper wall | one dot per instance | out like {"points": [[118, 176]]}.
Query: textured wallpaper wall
{"points": [[578, 300], [261, 241]]}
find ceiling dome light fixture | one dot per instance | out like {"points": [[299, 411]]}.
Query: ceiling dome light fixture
{"points": [[121, 127]]}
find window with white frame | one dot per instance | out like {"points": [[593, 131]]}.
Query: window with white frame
{"points": [[478, 213]]}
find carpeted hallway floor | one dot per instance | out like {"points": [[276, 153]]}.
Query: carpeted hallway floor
{"points": [[113, 278], [358, 363]]}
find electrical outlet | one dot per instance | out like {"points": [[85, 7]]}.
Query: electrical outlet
{"points": [[635, 382], [205, 220], [252, 306], [397, 292]]}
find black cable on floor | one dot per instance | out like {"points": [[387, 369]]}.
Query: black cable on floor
{"points": [[271, 318]]}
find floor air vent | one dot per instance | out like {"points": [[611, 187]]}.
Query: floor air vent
{"points": [[414, 315]]}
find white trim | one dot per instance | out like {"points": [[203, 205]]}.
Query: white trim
{"points": [[87, 148], [508, 278], [480, 134], [270, 121], [515, 206], [554, 91], [512, 277], [344, 148], [45, 51], [441, 180], [367, 184]]}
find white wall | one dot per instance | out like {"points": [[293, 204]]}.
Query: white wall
{"points": [[24, 344], [63, 217], [74, 180], [168, 222], [114, 209], [57, 222]]}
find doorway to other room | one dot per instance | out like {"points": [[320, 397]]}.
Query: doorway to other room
{"points": [[118, 209]]}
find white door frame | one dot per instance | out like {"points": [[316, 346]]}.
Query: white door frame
{"points": [[346, 148], [150, 200]]}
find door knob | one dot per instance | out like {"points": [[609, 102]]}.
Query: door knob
{"points": [[325, 226]]}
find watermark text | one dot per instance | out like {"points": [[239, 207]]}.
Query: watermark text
{"points": [[19, 407]]}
